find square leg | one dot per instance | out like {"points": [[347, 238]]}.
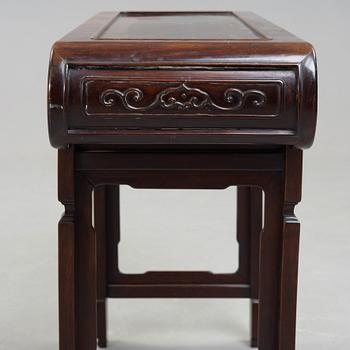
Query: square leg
{"points": [[77, 260], [279, 251], [106, 204], [100, 229], [290, 249], [277, 323], [254, 323], [249, 225]]}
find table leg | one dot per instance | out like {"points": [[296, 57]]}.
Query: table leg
{"points": [[249, 224], [67, 282], [77, 259], [66, 251], [255, 233], [270, 267], [100, 230], [85, 251], [279, 258], [290, 249], [106, 225]]}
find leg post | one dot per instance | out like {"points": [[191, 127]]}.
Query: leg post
{"points": [[101, 323], [100, 229], [77, 259], [67, 282], [107, 228], [66, 252], [255, 232], [249, 225], [270, 267], [290, 249], [254, 318], [85, 251], [279, 257]]}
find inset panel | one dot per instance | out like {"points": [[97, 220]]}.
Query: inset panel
{"points": [[115, 96], [178, 26]]}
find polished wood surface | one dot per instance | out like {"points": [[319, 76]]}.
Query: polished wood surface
{"points": [[131, 74], [189, 25], [183, 100], [269, 281], [249, 226], [178, 26]]}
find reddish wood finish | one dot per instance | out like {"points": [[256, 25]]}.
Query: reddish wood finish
{"points": [[249, 225], [66, 251], [175, 102], [252, 83], [100, 229], [268, 170]]}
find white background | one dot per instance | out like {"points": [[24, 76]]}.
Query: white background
{"points": [[29, 209]]}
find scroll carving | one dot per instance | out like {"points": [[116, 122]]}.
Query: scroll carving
{"points": [[183, 97]]}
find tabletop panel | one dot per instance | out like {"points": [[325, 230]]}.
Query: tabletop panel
{"points": [[178, 26]]}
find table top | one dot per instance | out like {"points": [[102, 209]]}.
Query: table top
{"points": [[181, 77], [179, 26]]}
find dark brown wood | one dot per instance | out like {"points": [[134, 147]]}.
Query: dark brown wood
{"points": [[256, 226], [249, 225], [267, 170], [77, 259], [184, 101], [166, 80], [290, 248], [192, 170], [100, 162], [181, 25], [174, 170], [86, 291], [255, 98], [270, 266], [254, 322], [109, 255], [181, 277], [186, 290], [101, 259], [66, 251]]}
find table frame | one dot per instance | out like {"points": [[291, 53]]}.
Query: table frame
{"points": [[268, 258]]}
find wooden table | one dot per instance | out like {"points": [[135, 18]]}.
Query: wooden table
{"points": [[185, 100]]}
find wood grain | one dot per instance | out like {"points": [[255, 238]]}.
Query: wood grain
{"points": [[105, 86], [134, 101]]}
